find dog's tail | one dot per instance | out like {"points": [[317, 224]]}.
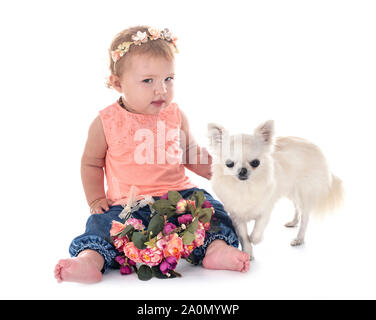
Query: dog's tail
{"points": [[332, 199]]}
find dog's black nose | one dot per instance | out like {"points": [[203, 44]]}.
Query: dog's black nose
{"points": [[243, 172]]}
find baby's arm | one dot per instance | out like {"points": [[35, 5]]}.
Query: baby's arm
{"points": [[92, 163], [202, 169]]}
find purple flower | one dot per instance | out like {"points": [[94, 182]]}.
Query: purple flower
{"points": [[131, 262], [120, 260], [125, 270], [168, 264], [185, 218], [168, 227], [207, 204], [165, 196]]}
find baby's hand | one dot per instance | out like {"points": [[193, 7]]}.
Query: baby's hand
{"points": [[100, 205]]}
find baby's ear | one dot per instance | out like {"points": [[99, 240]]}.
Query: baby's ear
{"points": [[115, 83], [265, 131], [216, 134]]}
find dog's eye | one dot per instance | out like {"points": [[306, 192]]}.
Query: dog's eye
{"points": [[229, 163], [255, 163]]}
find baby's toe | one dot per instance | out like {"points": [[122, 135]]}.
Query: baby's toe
{"points": [[244, 259], [57, 273], [240, 266], [246, 266]]}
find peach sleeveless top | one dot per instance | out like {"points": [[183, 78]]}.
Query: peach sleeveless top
{"points": [[143, 151]]}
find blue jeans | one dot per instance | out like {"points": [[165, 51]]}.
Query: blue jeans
{"points": [[97, 233]]}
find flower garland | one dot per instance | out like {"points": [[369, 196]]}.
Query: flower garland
{"points": [[143, 37], [160, 247]]}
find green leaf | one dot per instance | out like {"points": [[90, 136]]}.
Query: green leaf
{"points": [[171, 213], [156, 225], [192, 209], [199, 198], [163, 207], [188, 237], [139, 239], [193, 226], [144, 273], [127, 230], [158, 273], [205, 215], [174, 197]]}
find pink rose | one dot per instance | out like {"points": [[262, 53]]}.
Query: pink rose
{"points": [[187, 250], [185, 218], [119, 243], [200, 235], [162, 242], [181, 206], [136, 223], [173, 247], [116, 228], [168, 227], [151, 256], [132, 252]]}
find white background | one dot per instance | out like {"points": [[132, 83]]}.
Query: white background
{"points": [[309, 65]]}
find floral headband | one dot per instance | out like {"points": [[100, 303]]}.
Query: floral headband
{"points": [[142, 37]]}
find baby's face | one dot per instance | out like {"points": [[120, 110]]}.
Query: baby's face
{"points": [[148, 84]]}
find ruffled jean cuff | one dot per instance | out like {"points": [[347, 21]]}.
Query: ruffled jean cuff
{"points": [[94, 243]]}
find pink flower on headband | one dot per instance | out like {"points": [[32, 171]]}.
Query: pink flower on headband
{"points": [[115, 56], [173, 40], [139, 38], [154, 33]]}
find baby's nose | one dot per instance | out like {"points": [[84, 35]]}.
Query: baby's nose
{"points": [[161, 88]]}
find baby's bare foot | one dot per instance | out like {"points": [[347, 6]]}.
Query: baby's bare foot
{"points": [[221, 256], [80, 269]]}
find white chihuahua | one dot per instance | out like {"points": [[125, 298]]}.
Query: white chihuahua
{"points": [[251, 172]]}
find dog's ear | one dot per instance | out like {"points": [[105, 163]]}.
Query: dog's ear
{"points": [[266, 131], [216, 134]]}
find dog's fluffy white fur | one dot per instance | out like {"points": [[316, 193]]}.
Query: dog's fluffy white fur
{"points": [[251, 172]]}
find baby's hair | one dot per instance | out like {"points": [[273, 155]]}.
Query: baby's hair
{"points": [[156, 48]]}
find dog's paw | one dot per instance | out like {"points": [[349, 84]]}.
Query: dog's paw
{"points": [[297, 242], [248, 249]]}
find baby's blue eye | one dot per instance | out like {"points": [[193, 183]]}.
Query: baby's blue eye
{"points": [[169, 78], [148, 80]]}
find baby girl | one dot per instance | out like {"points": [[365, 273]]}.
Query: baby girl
{"points": [[119, 148]]}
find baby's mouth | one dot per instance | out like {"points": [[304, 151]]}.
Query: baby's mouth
{"points": [[158, 103]]}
